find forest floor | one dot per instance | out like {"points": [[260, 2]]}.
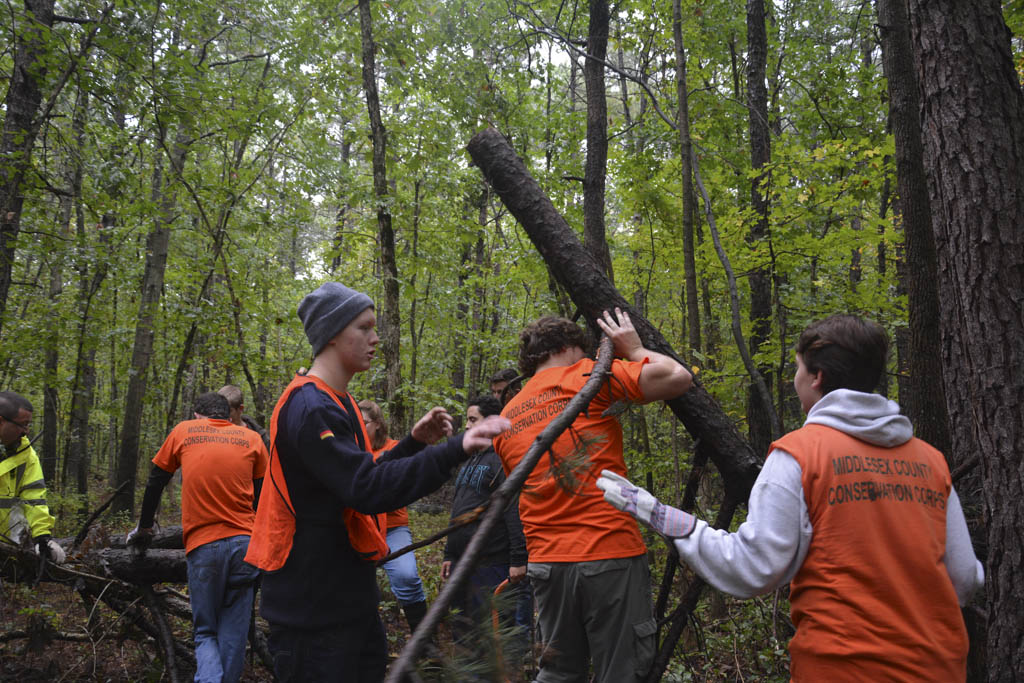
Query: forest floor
{"points": [[733, 641], [122, 653]]}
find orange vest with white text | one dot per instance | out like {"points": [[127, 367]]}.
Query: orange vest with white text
{"points": [[873, 600], [274, 528]]}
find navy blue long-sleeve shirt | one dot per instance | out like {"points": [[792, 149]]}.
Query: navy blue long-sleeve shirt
{"points": [[324, 583]]}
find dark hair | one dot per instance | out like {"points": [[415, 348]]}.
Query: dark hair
{"points": [[849, 350], [372, 413], [232, 393], [11, 403], [506, 375], [545, 337], [486, 404], [211, 404]]}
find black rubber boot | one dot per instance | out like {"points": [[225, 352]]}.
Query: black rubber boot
{"points": [[430, 657], [414, 614]]}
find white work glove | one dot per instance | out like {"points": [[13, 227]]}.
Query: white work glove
{"points": [[139, 537], [54, 553], [664, 519], [57, 554]]}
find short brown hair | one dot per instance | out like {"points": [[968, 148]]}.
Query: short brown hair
{"points": [[545, 337], [506, 375], [849, 350]]}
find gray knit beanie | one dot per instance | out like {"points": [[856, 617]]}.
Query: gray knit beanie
{"points": [[326, 311]]}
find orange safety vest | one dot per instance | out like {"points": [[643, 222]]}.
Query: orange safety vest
{"points": [[873, 599], [274, 528]]}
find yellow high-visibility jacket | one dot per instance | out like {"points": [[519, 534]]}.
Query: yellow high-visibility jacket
{"points": [[23, 494]]}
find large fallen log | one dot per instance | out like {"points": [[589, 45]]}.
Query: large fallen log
{"points": [[156, 566], [169, 538]]}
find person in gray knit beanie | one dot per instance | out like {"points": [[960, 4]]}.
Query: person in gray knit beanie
{"points": [[316, 535], [327, 310]]}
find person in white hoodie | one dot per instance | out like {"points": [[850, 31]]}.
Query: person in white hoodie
{"points": [[857, 515]]}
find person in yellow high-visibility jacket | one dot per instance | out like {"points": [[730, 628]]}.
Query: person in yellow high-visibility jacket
{"points": [[23, 511]]}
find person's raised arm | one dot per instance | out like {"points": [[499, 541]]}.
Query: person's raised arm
{"points": [[435, 424], [663, 377]]}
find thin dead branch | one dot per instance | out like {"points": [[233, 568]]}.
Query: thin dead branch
{"points": [[401, 669]]}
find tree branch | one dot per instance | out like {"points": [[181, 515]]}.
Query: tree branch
{"points": [[92, 518], [499, 499], [734, 306]]}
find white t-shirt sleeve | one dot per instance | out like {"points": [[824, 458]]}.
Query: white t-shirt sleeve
{"points": [[768, 548]]}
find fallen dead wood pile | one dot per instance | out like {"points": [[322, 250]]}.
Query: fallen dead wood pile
{"points": [[102, 571]]}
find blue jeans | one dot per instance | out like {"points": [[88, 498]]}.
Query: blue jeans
{"points": [[405, 581], [220, 586]]}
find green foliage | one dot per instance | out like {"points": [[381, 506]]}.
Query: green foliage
{"points": [[275, 196]]}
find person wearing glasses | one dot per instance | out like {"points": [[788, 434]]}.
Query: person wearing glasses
{"points": [[24, 514]]}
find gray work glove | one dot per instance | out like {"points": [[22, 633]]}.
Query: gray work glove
{"points": [[664, 519]]}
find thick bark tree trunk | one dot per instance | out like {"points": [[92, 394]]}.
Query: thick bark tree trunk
{"points": [[20, 127], [390, 319], [152, 285], [596, 164], [926, 405], [972, 114], [759, 413]]}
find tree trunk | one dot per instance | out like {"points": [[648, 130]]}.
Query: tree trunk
{"points": [[51, 363], [581, 275], [479, 296], [341, 218], [596, 164], [76, 460], [413, 305], [20, 127], [151, 287], [926, 404], [390, 318], [758, 412], [686, 174], [972, 114], [213, 252]]}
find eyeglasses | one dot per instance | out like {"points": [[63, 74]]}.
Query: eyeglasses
{"points": [[24, 426]]}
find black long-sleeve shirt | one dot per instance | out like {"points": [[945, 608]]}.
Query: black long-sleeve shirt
{"points": [[324, 583], [477, 480]]}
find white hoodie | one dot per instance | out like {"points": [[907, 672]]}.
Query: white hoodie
{"points": [[768, 549]]}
